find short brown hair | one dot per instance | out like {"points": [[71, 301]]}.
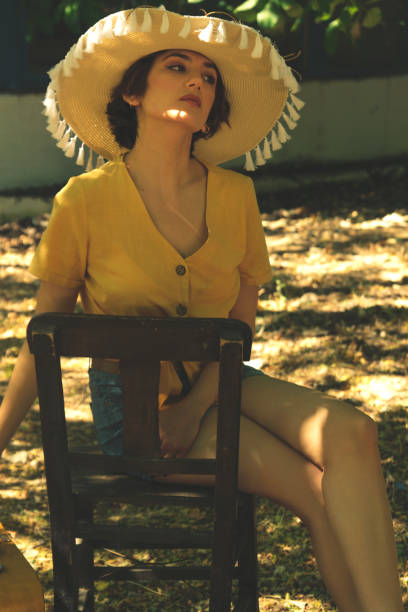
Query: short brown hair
{"points": [[123, 118]]}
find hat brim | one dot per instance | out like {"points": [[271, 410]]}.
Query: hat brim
{"points": [[256, 99]]}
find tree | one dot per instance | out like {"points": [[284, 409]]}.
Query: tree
{"points": [[350, 17], [337, 37]]}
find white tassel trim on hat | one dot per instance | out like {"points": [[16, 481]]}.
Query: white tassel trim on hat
{"points": [[64, 140], [60, 130], [274, 59], [107, 30], [290, 80], [70, 62], [89, 165], [259, 158], [206, 35], [186, 29], [78, 50], [212, 33], [92, 39], [291, 124], [257, 51], [54, 72], [243, 41], [299, 104], [282, 134], [69, 150], [293, 114], [221, 36], [81, 155], [120, 25], [266, 150], [50, 93], [147, 22], [50, 105], [164, 28], [249, 164], [284, 72], [100, 161], [276, 145], [133, 25], [52, 126], [98, 36]]}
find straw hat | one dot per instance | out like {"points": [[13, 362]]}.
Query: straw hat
{"points": [[260, 86]]}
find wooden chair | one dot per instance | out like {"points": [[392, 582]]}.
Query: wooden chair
{"points": [[76, 481]]}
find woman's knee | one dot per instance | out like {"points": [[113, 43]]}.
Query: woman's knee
{"points": [[349, 431]]}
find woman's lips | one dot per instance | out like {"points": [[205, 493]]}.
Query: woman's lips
{"points": [[195, 100]]}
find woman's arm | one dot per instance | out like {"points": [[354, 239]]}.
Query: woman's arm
{"points": [[244, 308], [205, 389], [22, 388], [180, 422]]}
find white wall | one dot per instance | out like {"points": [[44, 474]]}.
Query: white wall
{"points": [[29, 157], [351, 120], [342, 121]]}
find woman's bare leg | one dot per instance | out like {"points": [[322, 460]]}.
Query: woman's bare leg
{"points": [[270, 468], [342, 441]]}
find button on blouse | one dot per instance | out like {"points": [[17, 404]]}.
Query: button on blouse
{"points": [[181, 310], [181, 270]]}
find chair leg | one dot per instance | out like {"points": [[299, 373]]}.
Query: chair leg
{"points": [[86, 591], [220, 591], [84, 560], [65, 583], [221, 572], [65, 591], [247, 559]]}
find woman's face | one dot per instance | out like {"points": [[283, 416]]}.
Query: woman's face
{"points": [[180, 87]]}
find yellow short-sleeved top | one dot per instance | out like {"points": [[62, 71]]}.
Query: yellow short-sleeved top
{"points": [[101, 239]]}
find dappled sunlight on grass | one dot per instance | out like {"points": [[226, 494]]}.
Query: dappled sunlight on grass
{"points": [[381, 392], [334, 318]]}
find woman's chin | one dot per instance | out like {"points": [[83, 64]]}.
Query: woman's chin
{"points": [[184, 118]]}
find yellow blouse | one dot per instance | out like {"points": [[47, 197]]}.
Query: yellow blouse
{"points": [[101, 239]]}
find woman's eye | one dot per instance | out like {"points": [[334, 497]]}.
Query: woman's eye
{"points": [[177, 67], [209, 78]]}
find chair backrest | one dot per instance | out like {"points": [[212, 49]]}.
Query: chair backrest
{"points": [[140, 343]]}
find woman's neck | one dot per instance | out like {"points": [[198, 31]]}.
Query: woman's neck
{"points": [[160, 159]]}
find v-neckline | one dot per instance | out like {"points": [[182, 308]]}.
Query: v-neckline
{"points": [[152, 223]]}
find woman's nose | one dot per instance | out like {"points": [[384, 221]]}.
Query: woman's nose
{"points": [[195, 81]]}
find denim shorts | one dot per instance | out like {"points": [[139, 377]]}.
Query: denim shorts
{"points": [[107, 407]]}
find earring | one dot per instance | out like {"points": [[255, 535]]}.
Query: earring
{"points": [[206, 130]]}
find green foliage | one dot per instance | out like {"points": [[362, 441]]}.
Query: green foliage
{"points": [[347, 17], [341, 18], [77, 13], [372, 18]]}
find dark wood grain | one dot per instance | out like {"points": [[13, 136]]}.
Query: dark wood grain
{"points": [[77, 480]]}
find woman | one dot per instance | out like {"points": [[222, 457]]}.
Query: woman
{"points": [[161, 230]]}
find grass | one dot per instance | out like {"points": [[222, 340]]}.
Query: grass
{"points": [[334, 318]]}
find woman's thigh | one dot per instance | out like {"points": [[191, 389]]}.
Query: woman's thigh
{"points": [[267, 467], [309, 421]]}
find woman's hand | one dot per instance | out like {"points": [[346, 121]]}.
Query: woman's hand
{"points": [[179, 423]]}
